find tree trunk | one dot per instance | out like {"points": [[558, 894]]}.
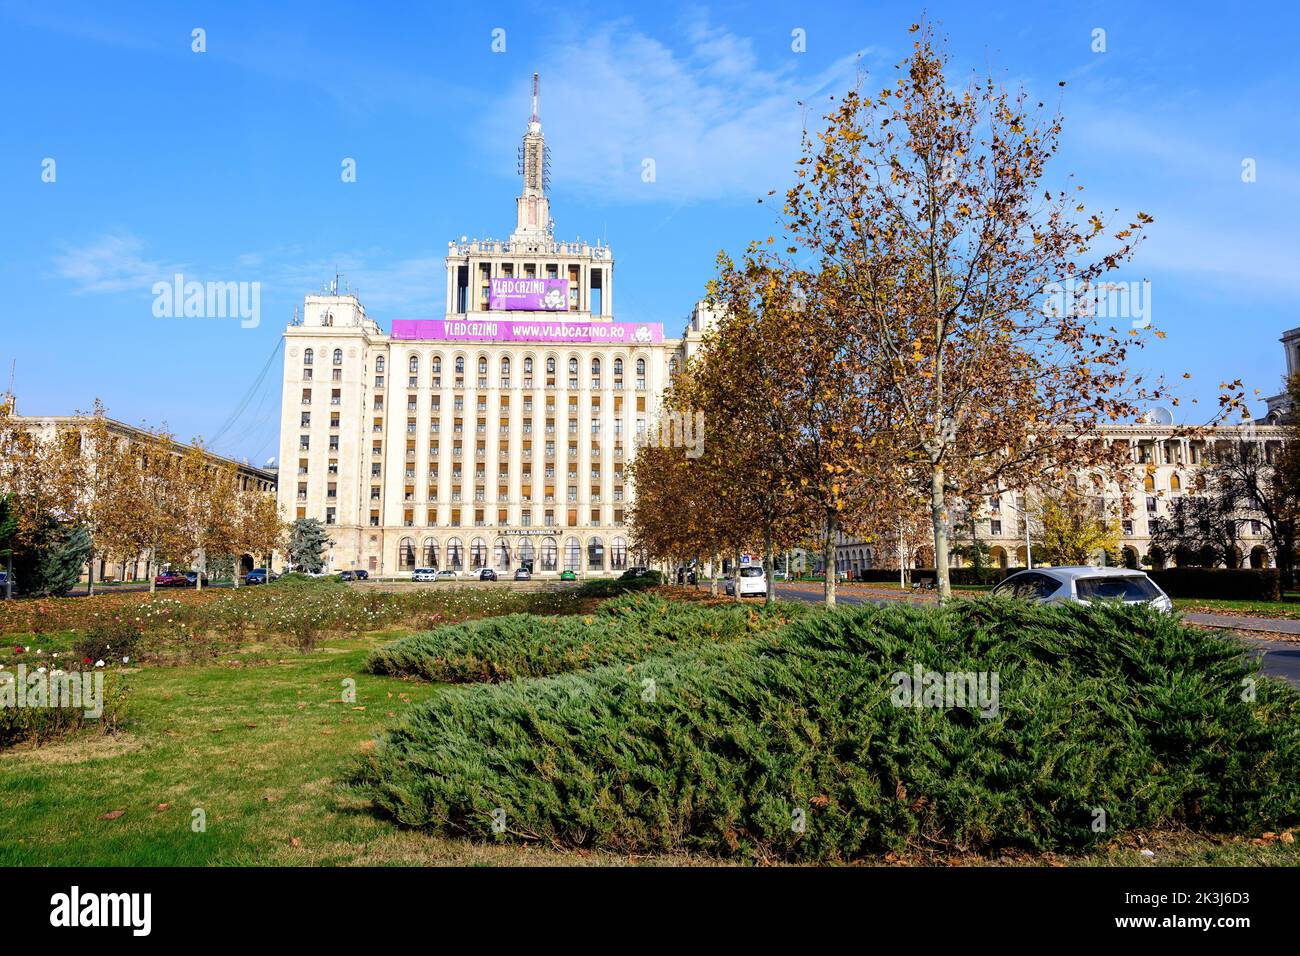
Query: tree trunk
{"points": [[149, 570], [828, 559], [769, 567], [90, 574], [735, 575], [939, 519], [713, 575]]}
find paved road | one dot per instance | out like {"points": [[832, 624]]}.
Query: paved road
{"points": [[1279, 658]]}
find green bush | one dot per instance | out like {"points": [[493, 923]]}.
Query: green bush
{"points": [[624, 630], [1236, 584], [1111, 708], [39, 725], [610, 587]]}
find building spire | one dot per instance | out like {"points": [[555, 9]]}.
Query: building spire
{"points": [[532, 210]]}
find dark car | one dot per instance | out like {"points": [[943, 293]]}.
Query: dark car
{"points": [[257, 576], [487, 574], [361, 574], [347, 575], [523, 574], [171, 579], [192, 579]]}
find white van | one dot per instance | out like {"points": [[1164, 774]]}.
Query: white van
{"points": [[752, 581]]}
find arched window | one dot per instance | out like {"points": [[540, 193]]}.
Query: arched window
{"points": [[338, 356], [437, 365], [618, 366], [413, 365], [596, 555], [505, 365], [550, 365], [460, 364], [595, 366], [572, 555], [482, 365], [379, 364], [1149, 483], [526, 555], [308, 357], [455, 554], [618, 554], [430, 554], [1175, 483], [478, 554], [573, 366], [549, 554], [528, 365], [640, 366], [406, 554], [503, 554]]}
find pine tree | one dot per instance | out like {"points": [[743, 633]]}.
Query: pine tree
{"points": [[307, 543]]}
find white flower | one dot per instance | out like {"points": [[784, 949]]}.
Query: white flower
{"points": [[40, 670], [39, 651], [126, 660], [99, 663]]}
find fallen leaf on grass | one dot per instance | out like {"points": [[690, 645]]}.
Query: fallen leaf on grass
{"points": [[163, 806], [112, 814]]}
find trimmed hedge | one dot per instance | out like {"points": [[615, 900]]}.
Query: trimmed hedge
{"points": [[1235, 584], [624, 630], [1113, 708]]}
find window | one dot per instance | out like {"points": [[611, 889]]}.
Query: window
{"points": [[413, 366], [338, 356], [406, 554], [549, 554], [430, 553], [478, 554], [526, 555], [379, 364], [503, 554], [455, 551], [618, 555], [308, 357], [596, 554], [572, 555]]}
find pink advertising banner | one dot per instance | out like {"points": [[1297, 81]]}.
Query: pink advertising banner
{"points": [[523, 330], [526, 294]]}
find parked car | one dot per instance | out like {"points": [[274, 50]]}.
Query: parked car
{"points": [[259, 576], [567, 575], [752, 581], [486, 574], [447, 574], [347, 575], [4, 576], [171, 579], [1083, 585], [523, 574], [425, 574], [361, 574], [192, 577]]}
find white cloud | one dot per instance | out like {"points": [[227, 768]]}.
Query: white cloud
{"points": [[717, 123], [114, 262]]}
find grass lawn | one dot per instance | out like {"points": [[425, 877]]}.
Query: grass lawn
{"points": [[259, 741], [1288, 607]]}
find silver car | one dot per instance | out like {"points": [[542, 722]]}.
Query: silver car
{"points": [[1083, 585]]}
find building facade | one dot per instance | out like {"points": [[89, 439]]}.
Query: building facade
{"points": [[497, 435]]}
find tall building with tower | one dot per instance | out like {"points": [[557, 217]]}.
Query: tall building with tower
{"points": [[497, 434]]}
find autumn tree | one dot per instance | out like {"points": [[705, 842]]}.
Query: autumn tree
{"points": [[1072, 525], [969, 276]]}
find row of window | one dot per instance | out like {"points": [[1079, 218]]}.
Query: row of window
{"points": [[543, 557]]}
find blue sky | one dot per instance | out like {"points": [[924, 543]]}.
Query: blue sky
{"points": [[225, 165]]}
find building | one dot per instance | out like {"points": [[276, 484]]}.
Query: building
{"points": [[139, 566], [495, 435], [1165, 467]]}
